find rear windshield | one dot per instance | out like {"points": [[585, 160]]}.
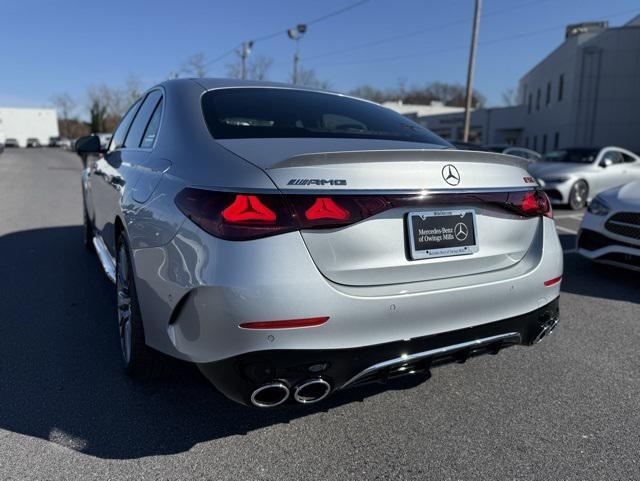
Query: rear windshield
{"points": [[251, 113], [573, 156]]}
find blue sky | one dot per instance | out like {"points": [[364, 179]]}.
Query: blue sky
{"points": [[67, 46]]}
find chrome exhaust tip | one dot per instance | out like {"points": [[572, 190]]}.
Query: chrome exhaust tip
{"points": [[547, 328], [270, 395], [311, 391]]}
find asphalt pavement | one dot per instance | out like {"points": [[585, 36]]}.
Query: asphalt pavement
{"points": [[567, 409]]}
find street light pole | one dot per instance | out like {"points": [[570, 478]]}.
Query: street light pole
{"points": [[296, 34], [472, 63], [244, 54]]}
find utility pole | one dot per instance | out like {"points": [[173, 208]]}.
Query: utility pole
{"points": [[296, 34], [472, 63], [244, 54]]}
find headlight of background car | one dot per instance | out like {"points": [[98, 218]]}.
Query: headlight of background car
{"points": [[598, 207], [555, 180]]}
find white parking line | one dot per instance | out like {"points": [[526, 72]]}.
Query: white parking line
{"points": [[568, 216], [565, 229]]}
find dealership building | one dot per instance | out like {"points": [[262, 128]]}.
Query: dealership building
{"points": [[24, 123], [585, 93]]}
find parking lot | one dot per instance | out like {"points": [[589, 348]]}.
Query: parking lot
{"points": [[566, 409]]}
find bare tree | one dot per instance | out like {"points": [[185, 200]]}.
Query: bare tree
{"points": [[257, 67], [65, 106], [509, 97], [195, 65], [132, 89], [308, 78]]}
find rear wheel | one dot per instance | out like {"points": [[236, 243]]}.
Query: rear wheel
{"points": [[578, 195], [140, 361]]}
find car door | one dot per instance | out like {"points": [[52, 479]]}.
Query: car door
{"points": [[119, 168]]}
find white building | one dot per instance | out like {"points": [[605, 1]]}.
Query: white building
{"points": [[586, 93], [415, 111], [23, 123]]}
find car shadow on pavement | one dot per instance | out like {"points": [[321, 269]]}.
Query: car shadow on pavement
{"points": [[61, 378], [597, 280]]}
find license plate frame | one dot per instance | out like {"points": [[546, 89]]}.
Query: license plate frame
{"points": [[432, 221]]}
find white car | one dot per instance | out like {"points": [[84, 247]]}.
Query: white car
{"points": [[610, 230]]}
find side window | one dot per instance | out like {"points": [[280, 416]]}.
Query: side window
{"points": [[628, 159], [140, 122], [614, 156], [151, 132], [118, 136]]}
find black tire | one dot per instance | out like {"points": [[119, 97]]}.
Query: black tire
{"points": [[140, 361], [578, 195], [88, 231]]}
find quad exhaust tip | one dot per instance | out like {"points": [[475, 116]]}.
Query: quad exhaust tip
{"points": [[312, 391], [270, 395]]}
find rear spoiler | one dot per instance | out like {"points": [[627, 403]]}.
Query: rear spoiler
{"points": [[414, 155]]}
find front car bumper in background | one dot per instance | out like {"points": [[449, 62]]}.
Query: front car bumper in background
{"points": [[605, 240]]}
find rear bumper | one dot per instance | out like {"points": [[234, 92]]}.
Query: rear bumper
{"points": [[237, 377]]}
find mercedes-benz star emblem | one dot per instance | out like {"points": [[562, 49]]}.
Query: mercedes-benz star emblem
{"points": [[450, 175], [461, 231]]}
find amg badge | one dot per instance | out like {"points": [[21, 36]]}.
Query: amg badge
{"points": [[317, 182]]}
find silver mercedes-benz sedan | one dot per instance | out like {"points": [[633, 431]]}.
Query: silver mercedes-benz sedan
{"points": [[293, 242], [574, 176], [610, 230]]}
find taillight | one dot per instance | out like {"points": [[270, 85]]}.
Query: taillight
{"points": [[236, 216], [531, 203]]}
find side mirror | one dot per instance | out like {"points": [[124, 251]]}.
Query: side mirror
{"points": [[89, 144], [604, 163]]}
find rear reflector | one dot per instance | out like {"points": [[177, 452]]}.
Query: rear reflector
{"points": [[552, 282], [288, 324]]}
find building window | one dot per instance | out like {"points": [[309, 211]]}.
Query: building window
{"points": [[529, 104], [526, 142], [556, 141], [548, 99], [560, 87], [538, 100], [535, 143], [544, 143]]}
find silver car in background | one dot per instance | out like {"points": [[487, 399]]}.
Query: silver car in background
{"points": [[292, 242], [574, 176], [610, 230]]}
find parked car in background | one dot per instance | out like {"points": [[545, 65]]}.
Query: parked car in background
{"points": [[522, 152], [11, 143], [293, 242], [574, 176], [59, 142], [33, 142], [467, 146], [2, 141], [526, 154], [610, 230]]}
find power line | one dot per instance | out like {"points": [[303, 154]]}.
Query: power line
{"points": [[420, 32], [284, 31], [464, 47]]}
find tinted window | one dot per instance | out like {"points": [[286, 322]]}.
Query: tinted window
{"points": [[244, 113], [628, 159], [118, 136], [139, 125], [614, 156], [150, 134], [575, 156]]}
